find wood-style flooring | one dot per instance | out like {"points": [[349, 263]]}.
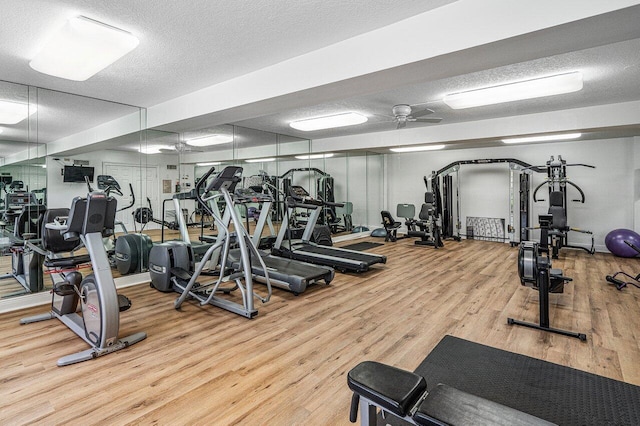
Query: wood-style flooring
{"points": [[204, 365]]}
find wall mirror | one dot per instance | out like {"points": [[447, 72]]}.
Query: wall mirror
{"points": [[45, 157]]}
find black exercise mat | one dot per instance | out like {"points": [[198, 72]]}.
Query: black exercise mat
{"points": [[559, 394], [362, 246]]}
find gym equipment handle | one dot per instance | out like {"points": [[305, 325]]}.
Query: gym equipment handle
{"points": [[618, 283]]}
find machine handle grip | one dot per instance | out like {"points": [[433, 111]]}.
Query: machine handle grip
{"points": [[353, 412], [618, 283]]}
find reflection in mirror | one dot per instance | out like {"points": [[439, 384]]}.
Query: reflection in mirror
{"points": [[64, 138], [22, 188]]}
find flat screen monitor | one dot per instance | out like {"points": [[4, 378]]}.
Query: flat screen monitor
{"points": [[77, 174]]}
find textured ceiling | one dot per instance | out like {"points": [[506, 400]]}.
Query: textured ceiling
{"points": [[189, 45], [611, 74], [186, 45]]}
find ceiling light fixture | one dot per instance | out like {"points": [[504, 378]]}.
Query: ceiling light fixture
{"points": [[260, 160], [15, 112], [1, 130], [329, 122], [153, 149], [543, 138], [214, 163], [314, 156], [418, 148], [209, 140], [528, 89], [82, 48]]}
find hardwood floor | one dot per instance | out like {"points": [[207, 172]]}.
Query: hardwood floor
{"points": [[204, 365]]}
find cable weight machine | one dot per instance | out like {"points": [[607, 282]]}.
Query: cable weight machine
{"points": [[443, 186]]}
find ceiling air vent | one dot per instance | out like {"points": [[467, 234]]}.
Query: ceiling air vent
{"points": [[172, 167], [80, 162]]}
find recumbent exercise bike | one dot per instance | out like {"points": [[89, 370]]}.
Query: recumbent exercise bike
{"points": [[66, 230]]}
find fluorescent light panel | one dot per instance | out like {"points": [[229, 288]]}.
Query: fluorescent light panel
{"points": [[15, 112], [418, 148], [529, 89], [152, 149], [214, 163], [210, 140], [543, 138], [314, 156], [82, 48], [329, 122], [260, 160]]}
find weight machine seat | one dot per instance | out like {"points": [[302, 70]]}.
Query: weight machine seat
{"points": [[52, 240], [390, 225], [28, 221], [404, 394], [390, 388], [558, 213]]}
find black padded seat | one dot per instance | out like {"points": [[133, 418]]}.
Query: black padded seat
{"points": [[390, 388], [448, 405], [390, 225], [558, 213], [27, 221], [52, 240]]}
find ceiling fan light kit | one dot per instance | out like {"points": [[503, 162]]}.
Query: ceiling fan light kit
{"points": [[543, 138], [403, 113], [82, 48], [529, 89], [329, 122]]}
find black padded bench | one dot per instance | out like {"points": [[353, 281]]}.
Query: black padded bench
{"points": [[404, 394]]}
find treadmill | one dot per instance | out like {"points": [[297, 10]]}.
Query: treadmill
{"points": [[303, 249], [287, 274]]}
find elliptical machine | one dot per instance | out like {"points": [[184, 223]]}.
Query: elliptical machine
{"points": [[534, 270], [86, 222], [171, 264]]}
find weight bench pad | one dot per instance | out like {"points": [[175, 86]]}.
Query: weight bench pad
{"points": [[453, 406], [390, 388]]}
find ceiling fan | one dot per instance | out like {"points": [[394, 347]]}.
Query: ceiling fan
{"points": [[403, 113], [180, 148]]}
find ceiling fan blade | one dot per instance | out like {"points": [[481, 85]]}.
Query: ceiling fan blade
{"points": [[401, 124], [420, 113], [427, 120]]}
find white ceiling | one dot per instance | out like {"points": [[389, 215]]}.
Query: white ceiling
{"points": [[186, 45], [195, 57]]}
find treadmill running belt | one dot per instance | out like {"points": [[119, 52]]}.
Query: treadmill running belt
{"points": [[344, 254]]}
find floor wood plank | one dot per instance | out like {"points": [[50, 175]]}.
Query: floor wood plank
{"points": [[288, 365]]}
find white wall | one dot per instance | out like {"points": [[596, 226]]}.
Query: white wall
{"points": [[609, 188], [60, 194]]}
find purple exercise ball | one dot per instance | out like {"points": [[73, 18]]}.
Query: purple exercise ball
{"points": [[615, 242]]}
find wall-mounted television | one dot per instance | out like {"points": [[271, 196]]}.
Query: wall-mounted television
{"points": [[77, 174]]}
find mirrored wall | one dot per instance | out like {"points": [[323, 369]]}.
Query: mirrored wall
{"points": [[65, 139], [50, 142]]}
